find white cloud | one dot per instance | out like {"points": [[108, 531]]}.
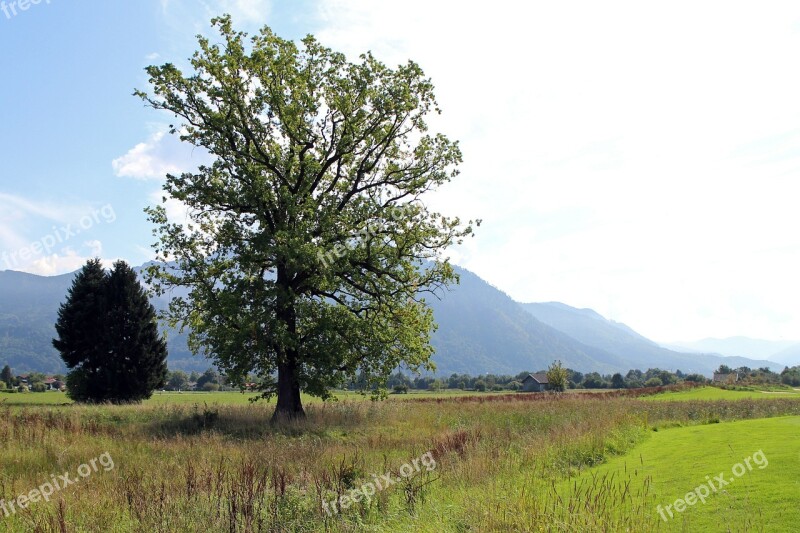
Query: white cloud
{"points": [[177, 211], [38, 236], [67, 260], [633, 158], [55, 264], [152, 159]]}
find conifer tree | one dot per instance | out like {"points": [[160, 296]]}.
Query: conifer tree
{"points": [[139, 354], [6, 376], [108, 337]]}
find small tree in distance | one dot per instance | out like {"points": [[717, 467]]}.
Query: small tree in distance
{"points": [[108, 337], [617, 381], [653, 382], [557, 377], [178, 380], [6, 376]]}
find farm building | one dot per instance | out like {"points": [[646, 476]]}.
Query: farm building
{"points": [[535, 383], [731, 377]]}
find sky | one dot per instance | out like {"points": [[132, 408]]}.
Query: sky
{"points": [[641, 159]]}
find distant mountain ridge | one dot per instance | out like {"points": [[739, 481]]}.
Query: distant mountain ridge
{"points": [[481, 330], [789, 357], [589, 327]]}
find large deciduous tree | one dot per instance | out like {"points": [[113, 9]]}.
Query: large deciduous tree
{"points": [[307, 250], [108, 337]]}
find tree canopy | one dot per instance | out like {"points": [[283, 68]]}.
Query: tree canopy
{"points": [[307, 250]]}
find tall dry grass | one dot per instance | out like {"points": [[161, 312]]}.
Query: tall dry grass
{"points": [[502, 465]]}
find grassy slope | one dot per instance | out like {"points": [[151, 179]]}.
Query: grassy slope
{"points": [[678, 460]]}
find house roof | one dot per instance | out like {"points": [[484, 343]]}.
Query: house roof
{"points": [[539, 378]]}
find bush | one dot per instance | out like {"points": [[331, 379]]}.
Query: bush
{"points": [[23, 388], [38, 387], [653, 382], [401, 389], [480, 385], [210, 387], [696, 378]]}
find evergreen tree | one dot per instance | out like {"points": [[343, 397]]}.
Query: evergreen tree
{"points": [[6, 376], [108, 337], [80, 323], [138, 353]]}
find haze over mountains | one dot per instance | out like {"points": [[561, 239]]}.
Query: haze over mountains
{"points": [[783, 352], [481, 330]]}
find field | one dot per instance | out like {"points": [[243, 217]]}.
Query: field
{"points": [[714, 393], [432, 462], [679, 460]]}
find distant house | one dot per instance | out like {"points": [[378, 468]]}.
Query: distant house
{"points": [[54, 384], [731, 377], [535, 383]]}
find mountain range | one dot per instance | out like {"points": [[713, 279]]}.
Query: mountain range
{"points": [[481, 330]]}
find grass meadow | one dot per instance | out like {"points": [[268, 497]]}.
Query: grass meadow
{"points": [[512, 462], [715, 393]]}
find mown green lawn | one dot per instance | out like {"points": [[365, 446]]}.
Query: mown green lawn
{"points": [[680, 460], [715, 393]]}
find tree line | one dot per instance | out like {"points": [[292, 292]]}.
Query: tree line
{"points": [[633, 379]]}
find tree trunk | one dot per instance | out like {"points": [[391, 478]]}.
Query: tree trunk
{"points": [[290, 406]]}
